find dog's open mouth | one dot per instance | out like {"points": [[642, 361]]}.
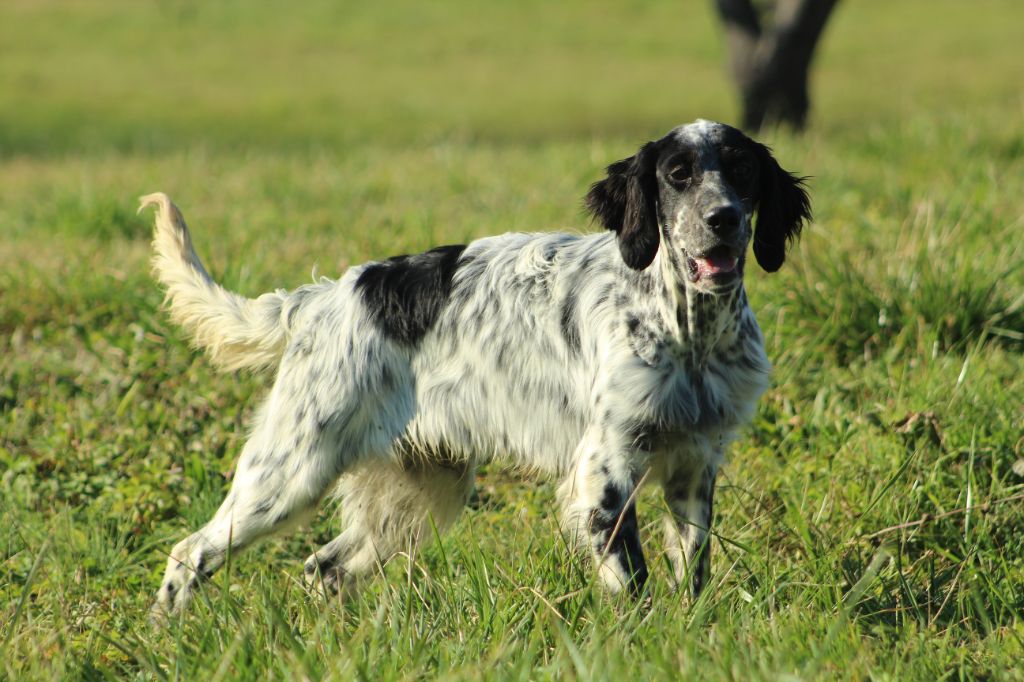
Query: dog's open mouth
{"points": [[718, 263]]}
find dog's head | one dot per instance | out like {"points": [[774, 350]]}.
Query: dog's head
{"points": [[694, 193]]}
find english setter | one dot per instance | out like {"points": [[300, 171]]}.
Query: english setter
{"points": [[605, 359]]}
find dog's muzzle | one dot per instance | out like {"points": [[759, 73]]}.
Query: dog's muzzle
{"points": [[717, 265]]}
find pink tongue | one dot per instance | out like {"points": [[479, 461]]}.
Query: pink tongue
{"points": [[716, 264]]}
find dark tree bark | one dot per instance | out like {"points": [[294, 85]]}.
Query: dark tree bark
{"points": [[770, 54]]}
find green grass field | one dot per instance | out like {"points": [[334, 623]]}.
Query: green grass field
{"points": [[871, 521]]}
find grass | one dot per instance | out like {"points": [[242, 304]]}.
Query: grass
{"points": [[870, 519]]}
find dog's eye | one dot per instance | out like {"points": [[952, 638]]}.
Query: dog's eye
{"points": [[679, 175], [742, 171]]}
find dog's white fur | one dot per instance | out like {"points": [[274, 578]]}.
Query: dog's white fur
{"points": [[548, 351]]}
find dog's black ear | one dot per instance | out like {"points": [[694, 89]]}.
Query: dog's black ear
{"points": [[626, 202], [782, 208]]}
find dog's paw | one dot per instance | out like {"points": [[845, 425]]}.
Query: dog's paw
{"points": [[327, 579], [171, 599], [320, 576], [187, 565]]}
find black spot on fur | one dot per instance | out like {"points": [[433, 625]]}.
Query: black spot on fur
{"points": [[289, 318], [302, 346], [611, 500], [644, 435], [549, 253], [203, 568], [702, 570], [501, 357], [570, 327], [406, 294], [624, 547]]}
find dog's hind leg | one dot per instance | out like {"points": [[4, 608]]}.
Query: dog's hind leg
{"points": [[282, 473], [388, 508], [330, 406], [299, 447]]}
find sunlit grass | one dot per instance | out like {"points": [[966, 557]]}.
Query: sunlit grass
{"points": [[870, 519]]}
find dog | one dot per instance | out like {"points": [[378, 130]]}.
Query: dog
{"points": [[607, 360]]}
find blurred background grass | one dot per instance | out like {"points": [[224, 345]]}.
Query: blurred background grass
{"points": [[122, 74], [323, 133]]}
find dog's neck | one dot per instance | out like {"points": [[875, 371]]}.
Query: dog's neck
{"points": [[696, 320]]}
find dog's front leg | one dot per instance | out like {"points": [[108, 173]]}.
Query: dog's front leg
{"points": [[601, 510], [690, 495]]}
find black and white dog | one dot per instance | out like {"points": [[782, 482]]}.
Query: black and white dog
{"points": [[606, 360]]}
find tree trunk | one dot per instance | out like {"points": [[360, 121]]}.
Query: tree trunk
{"points": [[770, 64]]}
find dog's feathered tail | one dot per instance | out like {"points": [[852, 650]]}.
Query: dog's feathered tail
{"points": [[237, 332]]}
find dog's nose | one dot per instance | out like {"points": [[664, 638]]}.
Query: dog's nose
{"points": [[724, 218]]}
